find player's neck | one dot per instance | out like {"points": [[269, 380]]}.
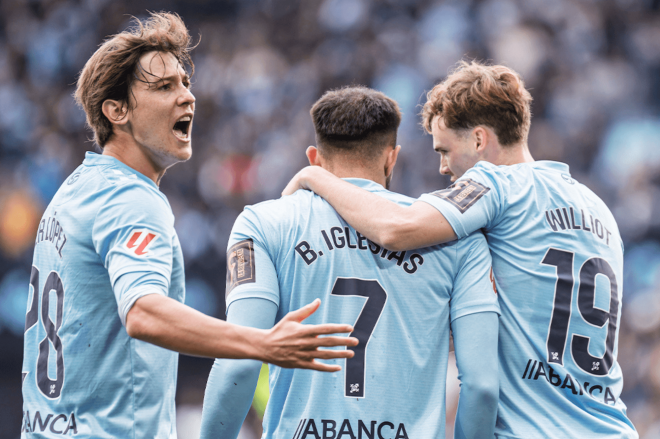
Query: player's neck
{"points": [[356, 172], [510, 155], [133, 156]]}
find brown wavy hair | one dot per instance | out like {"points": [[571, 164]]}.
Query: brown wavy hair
{"points": [[480, 94], [111, 71]]}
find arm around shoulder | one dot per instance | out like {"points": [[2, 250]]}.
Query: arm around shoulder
{"points": [[384, 222]]}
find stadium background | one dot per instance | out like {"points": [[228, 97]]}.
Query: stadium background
{"points": [[593, 68]]}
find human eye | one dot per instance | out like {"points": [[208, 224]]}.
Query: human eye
{"points": [[165, 86]]}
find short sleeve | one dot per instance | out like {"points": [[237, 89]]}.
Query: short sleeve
{"points": [[474, 290], [474, 202], [129, 287], [251, 272], [134, 232]]}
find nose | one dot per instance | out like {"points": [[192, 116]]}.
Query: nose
{"points": [[186, 98], [444, 167]]}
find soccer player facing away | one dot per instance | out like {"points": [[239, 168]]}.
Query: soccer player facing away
{"points": [[107, 284], [401, 304], [557, 254]]}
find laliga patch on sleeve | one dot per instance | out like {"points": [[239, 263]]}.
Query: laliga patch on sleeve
{"points": [[462, 194], [240, 265]]}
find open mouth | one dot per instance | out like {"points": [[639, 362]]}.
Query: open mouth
{"points": [[182, 128]]}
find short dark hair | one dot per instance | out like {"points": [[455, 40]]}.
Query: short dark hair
{"points": [[355, 120], [111, 71]]}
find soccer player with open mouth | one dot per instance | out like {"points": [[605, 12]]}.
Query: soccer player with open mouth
{"points": [[106, 318]]}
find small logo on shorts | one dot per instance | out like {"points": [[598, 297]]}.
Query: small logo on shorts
{"points": [[140, 241]]}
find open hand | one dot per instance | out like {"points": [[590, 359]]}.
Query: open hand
{"points": [[291, 344]]}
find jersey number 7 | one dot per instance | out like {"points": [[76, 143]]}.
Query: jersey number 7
{"points": [[362, 329], [561, 312]]}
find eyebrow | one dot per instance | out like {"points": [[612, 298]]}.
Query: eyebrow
{"points": [[186, 78]]}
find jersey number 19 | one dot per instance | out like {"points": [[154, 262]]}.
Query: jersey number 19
{"points": [[561, 313]]}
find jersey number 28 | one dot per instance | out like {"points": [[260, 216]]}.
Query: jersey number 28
{"points": [[48, 387]]}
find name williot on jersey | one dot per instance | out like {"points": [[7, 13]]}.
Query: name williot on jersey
{"points": [[568, 218], [339, 238], [51, 230]]}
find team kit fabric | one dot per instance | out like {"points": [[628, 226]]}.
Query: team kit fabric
{"points": [[295, 249], [106, 239], [558, 266]]}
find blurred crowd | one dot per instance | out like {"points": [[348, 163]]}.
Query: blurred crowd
{"points": [[592, 66]]}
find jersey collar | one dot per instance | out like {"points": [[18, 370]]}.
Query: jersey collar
{"points": [[92, 158], [369, 185], [554, 166]]}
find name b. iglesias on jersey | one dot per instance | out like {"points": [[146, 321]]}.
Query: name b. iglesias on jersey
{"points": [[339, 238]]}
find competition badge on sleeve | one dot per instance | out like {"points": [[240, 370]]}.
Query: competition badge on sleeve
{"points": [[140, 240], [462, 194], [240, 265]]}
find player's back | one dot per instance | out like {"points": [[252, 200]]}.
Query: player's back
{"points": [[399, 303], [82, 373], [558, 262]]}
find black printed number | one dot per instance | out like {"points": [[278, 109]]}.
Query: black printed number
{"points": [[362, 329], [49, 388], [561, 313]]}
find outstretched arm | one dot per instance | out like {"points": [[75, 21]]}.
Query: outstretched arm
{"points": [[384, 222], [475, 343], [165, 322], [231, 384]]}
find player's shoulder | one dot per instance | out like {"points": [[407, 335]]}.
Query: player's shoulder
{"points": [[116, 187], [511, 178], [279, 207], [514, 171]]}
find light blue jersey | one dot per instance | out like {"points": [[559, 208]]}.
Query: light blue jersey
{"points": [[295, 249], [106, 239], [558, 265]]}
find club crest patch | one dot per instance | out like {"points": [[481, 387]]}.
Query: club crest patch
{"points": [[240, 265], [462, 194]]}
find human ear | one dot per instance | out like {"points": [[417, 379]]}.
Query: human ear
{"points": [[390, 161], [480, 139], [115, 111], [314, 156]]}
